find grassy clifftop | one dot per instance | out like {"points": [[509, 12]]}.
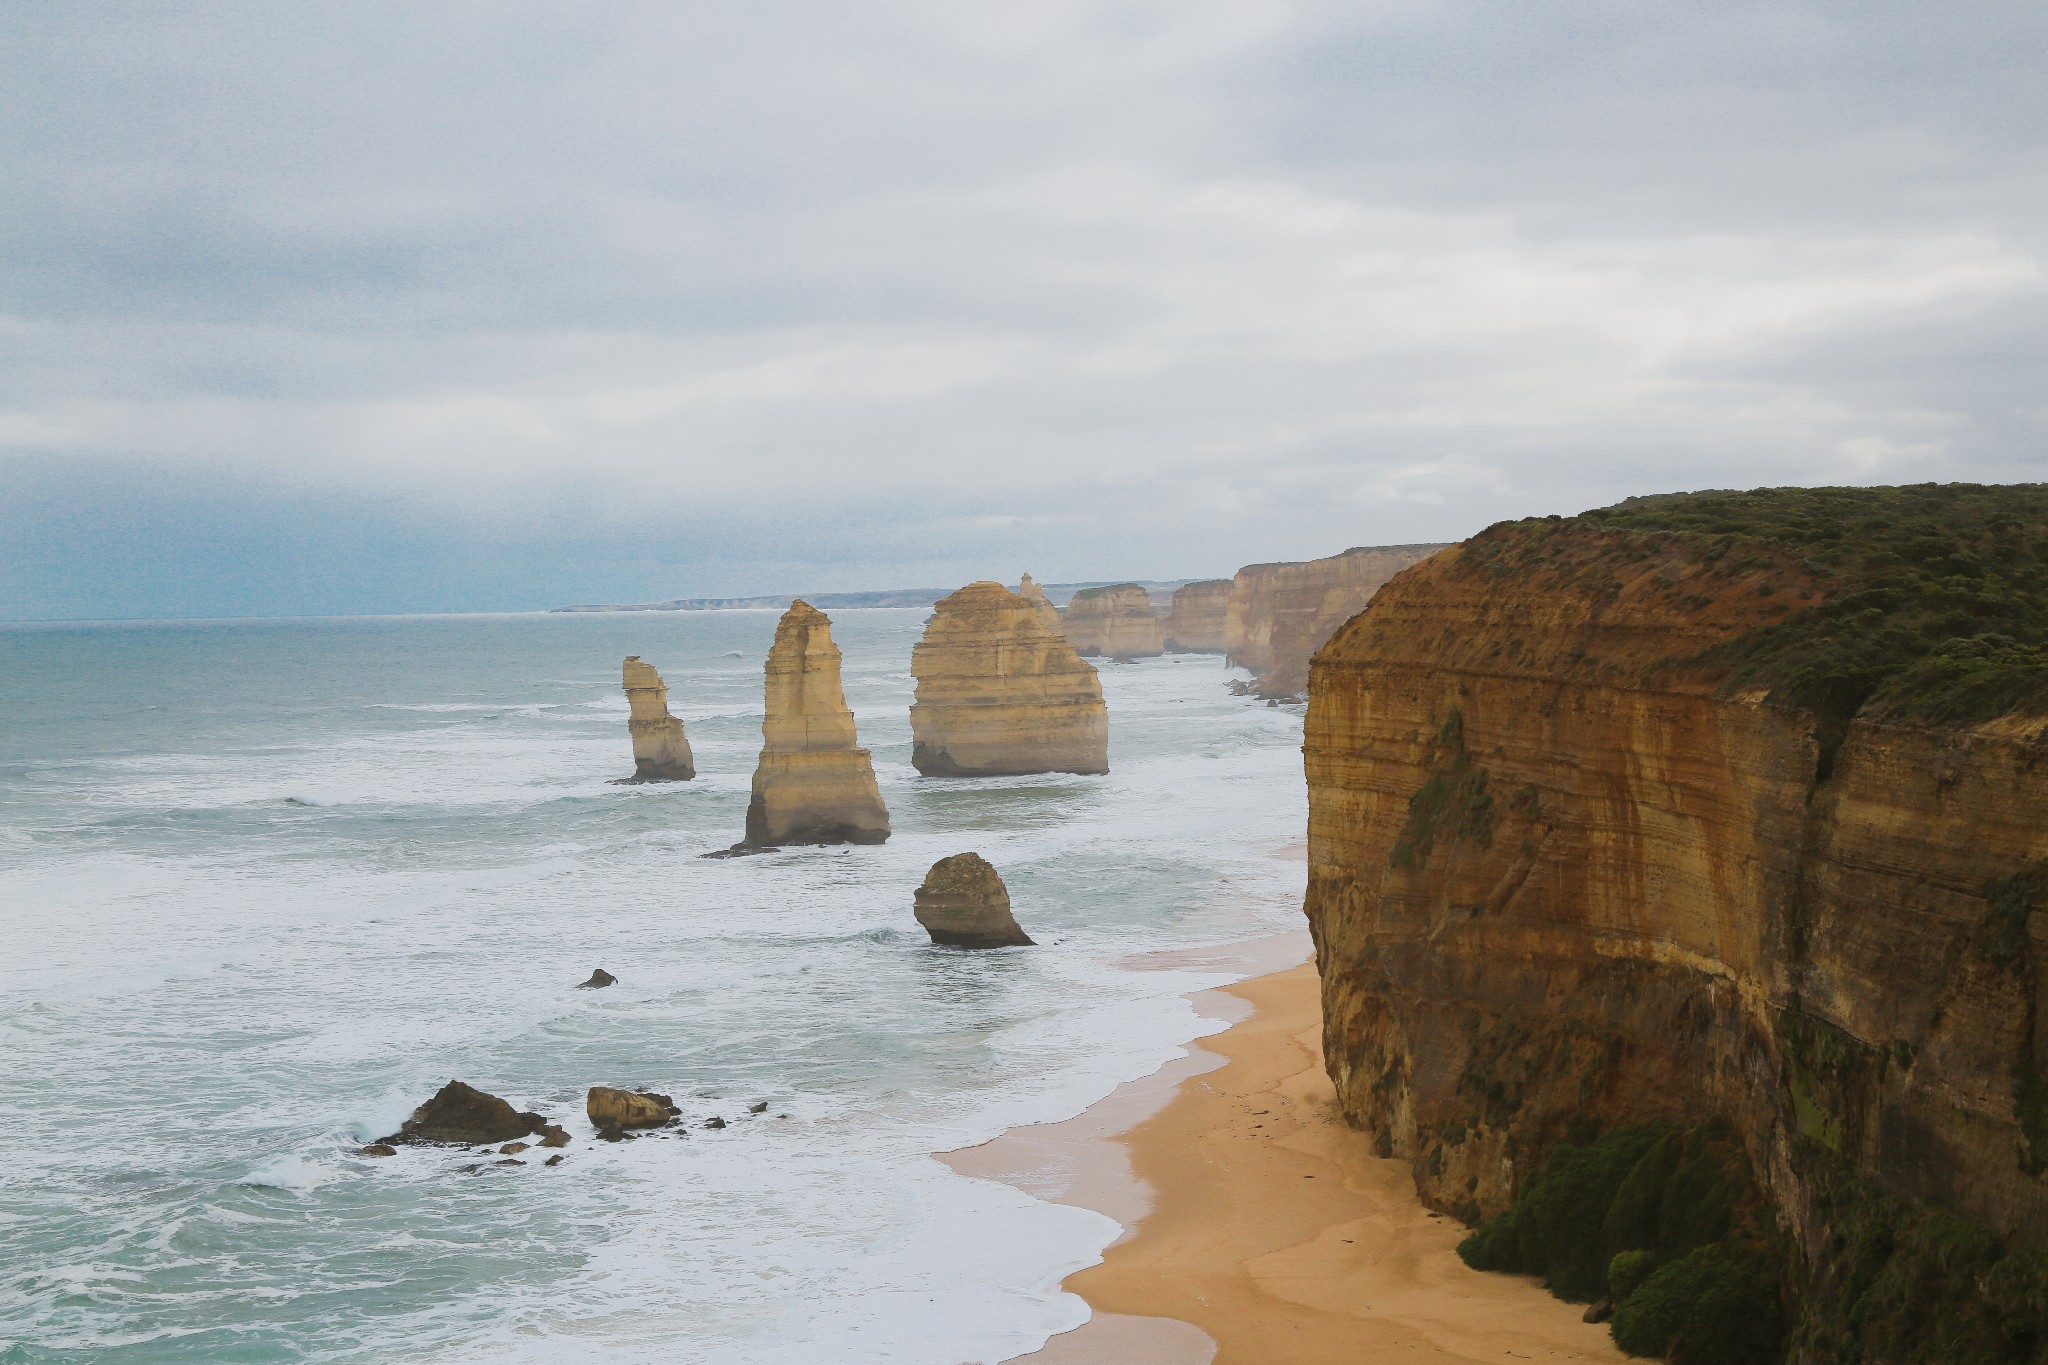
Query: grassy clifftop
{"points": [[1932, 599]]}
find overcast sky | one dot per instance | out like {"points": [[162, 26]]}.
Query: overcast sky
{"points": [[446, 306]]}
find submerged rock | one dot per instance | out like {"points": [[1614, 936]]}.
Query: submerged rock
{"points": [[611, 1109], [814, 784], [1000, 692], [599, 979], [661, 752], [964, 904], [1116, 621], [461, 1115]]}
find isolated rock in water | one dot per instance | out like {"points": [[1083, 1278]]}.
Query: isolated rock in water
{"points": [[611, 1109], [814, 783], [1199, 622], [964, 904], [377, 1149], [998, 692], [599, 979], [1116, 621], [714, 1122], [661, 752], [1041, 605], [760, 1108], [463, 1115]]}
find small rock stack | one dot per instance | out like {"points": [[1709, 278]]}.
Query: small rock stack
{"points": [[964, 904]]}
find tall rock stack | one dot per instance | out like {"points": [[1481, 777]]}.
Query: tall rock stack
{"points": [[1116, 621], [661, 752], [1001, 692], [1199, 621], [814, 783], [1041, 605]]}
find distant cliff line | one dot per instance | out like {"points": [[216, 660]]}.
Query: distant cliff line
{"points": [[1060, 593]]}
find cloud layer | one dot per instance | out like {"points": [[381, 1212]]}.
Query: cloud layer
{"points": [[651, 300]]}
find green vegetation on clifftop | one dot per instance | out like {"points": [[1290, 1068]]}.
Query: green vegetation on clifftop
{"points": [[1934, 596]]}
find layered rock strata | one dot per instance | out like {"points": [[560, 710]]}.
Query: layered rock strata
{"points": [[1041, 605], [1115, 621], [964, 904], [814, 784], [1278, 615], [998, 692], [661, 752], [1199, 620], [1564, 873]]}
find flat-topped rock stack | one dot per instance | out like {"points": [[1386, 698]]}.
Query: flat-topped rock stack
{"points": [[1001, 692], [1199, 621], [964, 904], [1116, 621], [661, 752], [814, 783]]}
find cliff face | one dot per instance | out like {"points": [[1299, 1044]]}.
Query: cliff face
{"points": [[1116, 621], [814, 784], [1278, 615], [1199, 622], [997, 692], [661, 752], [1563, 868]]}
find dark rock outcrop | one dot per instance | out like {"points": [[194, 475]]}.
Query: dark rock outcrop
{"points": [[599, 979], [964, 904], [461, 1115]]}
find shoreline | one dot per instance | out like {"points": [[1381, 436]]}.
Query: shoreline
{"points": [[1255, 1223]]}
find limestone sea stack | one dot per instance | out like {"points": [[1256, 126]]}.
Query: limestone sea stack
{"points": [[814, 783], [1000, 693], [1199, 621], [1041, 605], [964, 904], [1116, 621], [661, 753]]}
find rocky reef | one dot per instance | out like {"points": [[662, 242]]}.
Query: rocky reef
{"points": [[1199, 620], [814, 784], [999, 693], [661, 752], [1115, 621], [1278, 615], [1706, 834], [461, 1115], [964, 904]]}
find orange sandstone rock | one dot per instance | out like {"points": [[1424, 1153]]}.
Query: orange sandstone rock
{"points": [[814, 784], [1199, 621], [1557, 874], [999, 692], [1278, 615], [1116, 621], [661, 752]]}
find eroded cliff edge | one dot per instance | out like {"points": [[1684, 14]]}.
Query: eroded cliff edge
{"points": [[1276, 616], [1723, 807]]}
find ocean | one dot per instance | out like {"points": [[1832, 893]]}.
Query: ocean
{"points": [[266, 885]]}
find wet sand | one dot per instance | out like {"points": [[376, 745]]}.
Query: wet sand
{"points": [[1259, 1227]]}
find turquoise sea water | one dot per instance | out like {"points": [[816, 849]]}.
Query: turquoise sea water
{"points": [[264, 886]]}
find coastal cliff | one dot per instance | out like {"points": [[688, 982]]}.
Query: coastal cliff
{"points": [[1723, 813], [1278, 615], [1116, 621], [1199, 621], [814, 784], [1000, 693], [661, 752]]}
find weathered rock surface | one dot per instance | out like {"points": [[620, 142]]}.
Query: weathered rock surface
{"points": [[462, 1115], [997, 692], [599, 979], [1199, 620], [1559, 873], [1279, 615], [1116, 621], [964, 904], [610, 1109], [661, 753], [814, 784], [1048, 614]]}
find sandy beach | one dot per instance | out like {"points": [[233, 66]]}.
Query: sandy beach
{"points": [[1259, 1227]]}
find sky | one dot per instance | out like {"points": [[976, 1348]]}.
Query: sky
{"points": [[500, 306]]}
